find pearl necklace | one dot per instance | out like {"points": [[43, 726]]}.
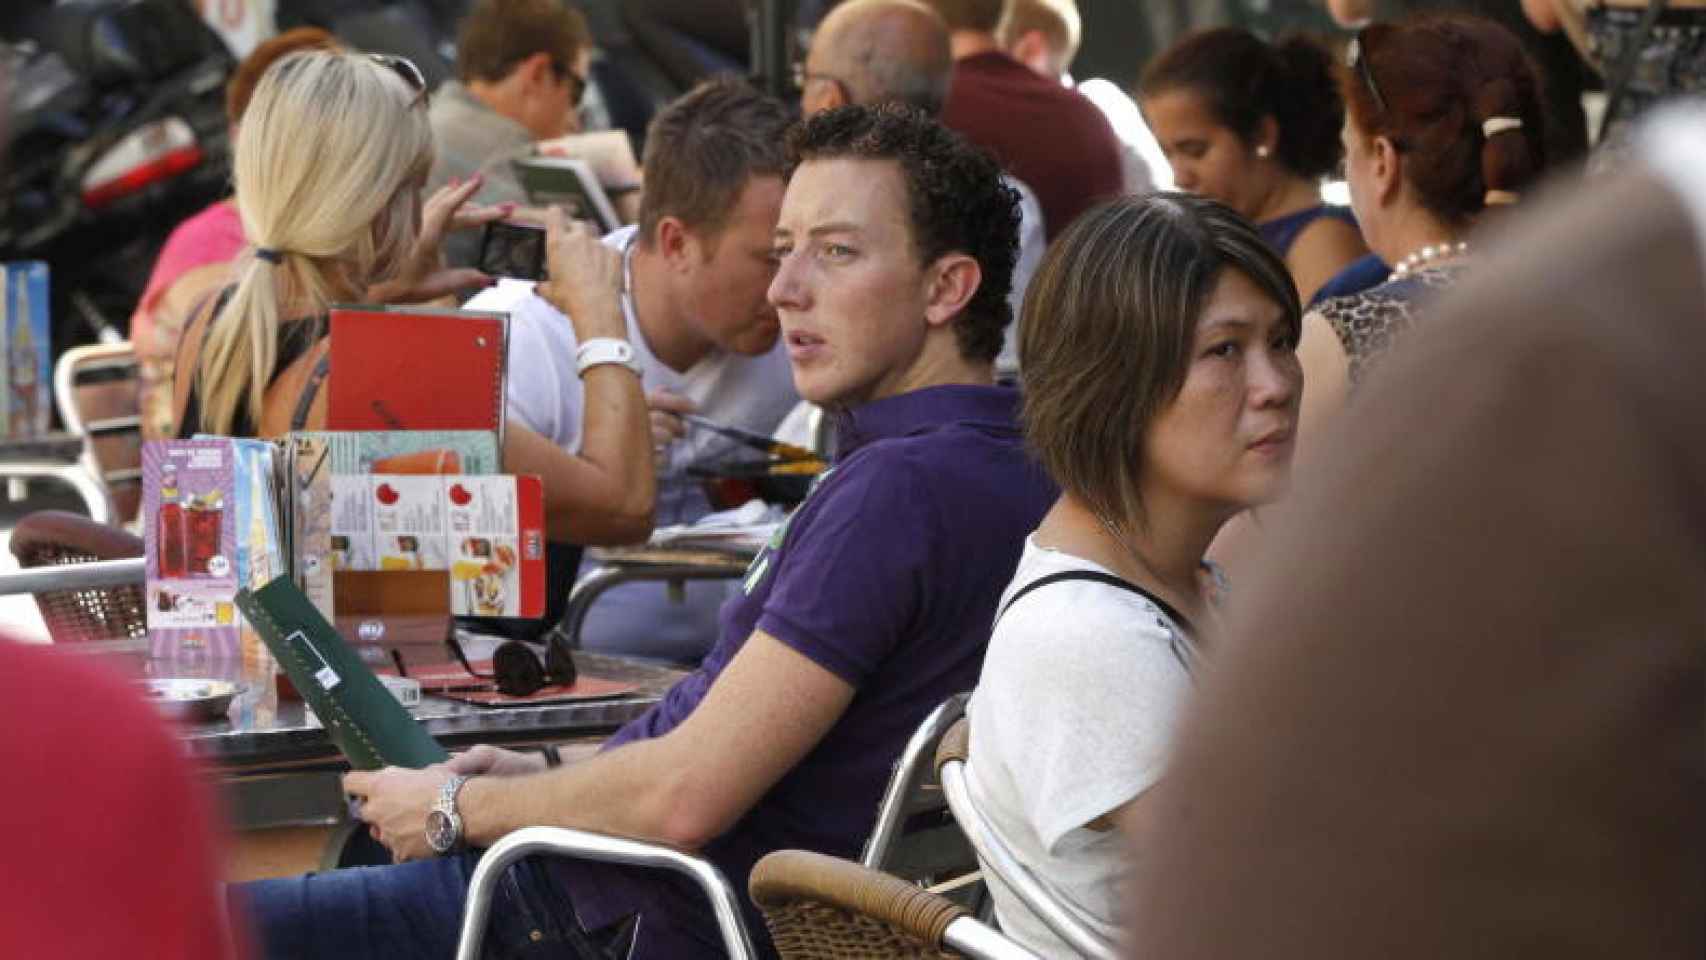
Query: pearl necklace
{"points": [[1428, 255]]}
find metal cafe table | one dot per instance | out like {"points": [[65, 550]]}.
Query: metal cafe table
{"points": [[279, 773]]}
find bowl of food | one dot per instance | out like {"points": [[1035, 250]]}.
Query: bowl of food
{"points": [[188, 699], [728, 485]]}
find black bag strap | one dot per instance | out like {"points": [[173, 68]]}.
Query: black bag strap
{"points": [[305, 402], [1096, 576]]}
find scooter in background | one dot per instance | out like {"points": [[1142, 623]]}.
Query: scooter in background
{"points": [[118, 133]]}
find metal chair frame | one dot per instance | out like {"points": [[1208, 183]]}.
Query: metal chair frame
{"points": [[997, 859], [911, 774], [93, 476], [529, 841], [912, 784]]}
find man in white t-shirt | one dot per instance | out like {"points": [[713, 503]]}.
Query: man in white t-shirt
{"points": [[704, 339]]}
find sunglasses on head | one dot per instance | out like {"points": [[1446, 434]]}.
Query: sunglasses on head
{"points": [[1356, 58], [405, 68]]}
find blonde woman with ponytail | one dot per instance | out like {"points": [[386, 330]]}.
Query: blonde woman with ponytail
{"points": [[330, 164]]}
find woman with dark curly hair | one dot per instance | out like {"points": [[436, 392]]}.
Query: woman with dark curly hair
{"points": [[1255, 126]]}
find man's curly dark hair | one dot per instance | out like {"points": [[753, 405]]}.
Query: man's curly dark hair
{"points": [[957, 198]]}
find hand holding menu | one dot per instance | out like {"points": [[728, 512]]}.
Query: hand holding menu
{"points": [[362, 717]]}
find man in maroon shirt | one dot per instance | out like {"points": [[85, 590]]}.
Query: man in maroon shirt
{"points": [[1044, 133]]}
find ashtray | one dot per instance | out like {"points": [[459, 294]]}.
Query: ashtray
{"points": [[192, 699]]}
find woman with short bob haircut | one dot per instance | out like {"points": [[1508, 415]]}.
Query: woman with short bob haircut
{"points": [[330, 163], [1161, 388]]}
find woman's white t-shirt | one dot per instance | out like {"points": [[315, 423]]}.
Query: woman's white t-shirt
{"points": [[1073, 717]]}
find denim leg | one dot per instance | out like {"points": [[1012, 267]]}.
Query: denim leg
{"points": [[408, 910], [412, 910]]}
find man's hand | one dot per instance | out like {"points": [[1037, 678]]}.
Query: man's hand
{"points": [[394, 805], [667, 425], [586, 278], [487, 760]]}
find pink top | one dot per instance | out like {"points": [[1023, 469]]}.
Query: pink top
{"points": [[215, 235]]}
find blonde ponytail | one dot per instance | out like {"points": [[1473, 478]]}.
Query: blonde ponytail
{"points": [[329, 160], [239, 351]]}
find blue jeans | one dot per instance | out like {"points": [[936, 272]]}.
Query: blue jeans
{"points": [[414, 910]]}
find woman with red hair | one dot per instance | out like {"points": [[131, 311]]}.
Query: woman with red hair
{"points": [[1444, 118]]}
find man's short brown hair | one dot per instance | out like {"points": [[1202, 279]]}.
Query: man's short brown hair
{"points": [[702, 149], [241, 87], [980, 15], [496, 35]]}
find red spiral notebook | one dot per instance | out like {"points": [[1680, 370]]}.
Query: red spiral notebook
{"points": [[408, 368]]}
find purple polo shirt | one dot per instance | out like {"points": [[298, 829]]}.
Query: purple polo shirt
{"points": [[887, 576]]}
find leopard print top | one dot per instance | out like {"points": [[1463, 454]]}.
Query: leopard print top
{"points": [[1368, 322]]}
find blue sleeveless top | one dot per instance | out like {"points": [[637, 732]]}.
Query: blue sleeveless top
{"points": [[1281, 233]]}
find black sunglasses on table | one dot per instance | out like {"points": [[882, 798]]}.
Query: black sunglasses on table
{"points": [[516, 669]]}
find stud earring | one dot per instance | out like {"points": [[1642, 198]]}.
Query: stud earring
{"points": [[1263, 151]]}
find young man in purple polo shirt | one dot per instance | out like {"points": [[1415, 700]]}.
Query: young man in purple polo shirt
{"points": [[894, 252]]}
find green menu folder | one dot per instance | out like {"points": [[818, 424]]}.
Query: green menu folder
{"points": [[362, 717]]}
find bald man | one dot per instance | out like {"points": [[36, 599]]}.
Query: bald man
{"points": [[871, 50], [868, 51]]}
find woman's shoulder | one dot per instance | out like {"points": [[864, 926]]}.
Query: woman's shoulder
{"points": [[1058, 599], [1367, 321]]}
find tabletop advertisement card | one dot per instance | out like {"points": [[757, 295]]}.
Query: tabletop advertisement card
{"points": [[212, 528], [409, 451], [412, 369], [316, 457], [26, 376], [487, 532], [308, 534]]}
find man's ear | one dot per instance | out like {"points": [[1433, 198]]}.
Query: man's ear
{"points": [[953, 279], [536, 70], [836, 95], [1032, 50], [677, 244]]}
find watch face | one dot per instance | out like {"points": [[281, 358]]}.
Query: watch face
{"points": [[441, 830]]}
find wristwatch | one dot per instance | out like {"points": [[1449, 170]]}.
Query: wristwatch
{"points": [[443, 823], [601, 350]]}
